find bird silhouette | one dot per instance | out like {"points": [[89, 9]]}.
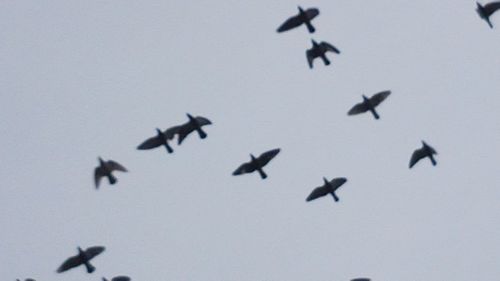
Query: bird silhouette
{"points": [[105, 169], [319, 51], [369, 104], [303, 17], [194, 124], [83, 257], [487, 10], [160, 139], [361, 279], [329, 187], [118, 278], [27, 279], [425, 151], [256, 164]]}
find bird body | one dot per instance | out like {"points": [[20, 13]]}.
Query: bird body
{"points": [[328, 187], [83, 257], [105, 169], [257, 163], [303, 17], [194, 124], [160, 139], [487, 10], [425, 151], [319, 50], [369, 104]]}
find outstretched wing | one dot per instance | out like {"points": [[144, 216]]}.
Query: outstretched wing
{"points": [[69, 264], [91, 252], [121, 278], [98, 174], [150, 143], [114, 166], [416, 156], [312, 13], [290, 23], [379, 97], [184, 131], [265, 157], [244, 169], [310, 57], [337, 182], [492, 7], [358, 108], [317, 193], [329, 47], [202, 121], [170, 132]]}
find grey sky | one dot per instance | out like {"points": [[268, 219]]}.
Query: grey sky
{"points": [[82, 79]]}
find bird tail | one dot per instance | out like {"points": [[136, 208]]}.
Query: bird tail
{"points": [[335, 198], [112, 179], [325, 60], [489, 22], [375, 114], [310, 27], [262, 174], [90, 268], [434, 163], [202, 133], [168, 147]]}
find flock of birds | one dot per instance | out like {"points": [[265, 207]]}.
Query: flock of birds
{"points": [[195, 124]]}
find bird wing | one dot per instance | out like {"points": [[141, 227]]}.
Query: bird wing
{"points": [[265, 157], [184, 131], [150, 143], [69, 263], [98, 174], [317, 193], [244, 168], [379, 97], [492, 7], [94, 251], [312, 13], [337, 182], [170, 132], [329, 47], [121, 278], [358, 108], [202, 121], [114, 166], [310, 57], [416, 156], [431, 149], [290, 23]]}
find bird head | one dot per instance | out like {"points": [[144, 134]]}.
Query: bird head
{"points": [[315, 44], [325, 180], [159, 131], [365, 98], [300, 9], [100, 160], [190, 116], [252, 157], [80, 251]]}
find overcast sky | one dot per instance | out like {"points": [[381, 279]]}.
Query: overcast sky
{"points": [[82, 79]]}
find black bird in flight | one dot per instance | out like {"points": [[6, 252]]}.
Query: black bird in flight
{"points": [[118, 278], [83, 257], [160, 139], [27, 279], [329, 187], [487, 10], [369, 104], [194, 124], [304, 17], [361, 279], [319, 51], [256, 164], [105, 169], [425, 151]]}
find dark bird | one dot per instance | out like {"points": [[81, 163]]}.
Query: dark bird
{"points": [[319, 51], [256, 164], [369, 104], [160, 139], [487, 10], [303, 17], [118, 278], [83, 257], [105, 169], [329, 187], [194, 124], [361, 279], [425, 151], [27, 279]]}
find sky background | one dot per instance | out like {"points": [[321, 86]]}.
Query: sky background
{"points": [[82, 79]]}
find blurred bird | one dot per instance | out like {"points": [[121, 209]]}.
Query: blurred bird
{"points": [[425, 151], [487, 10], [303, 17], [369, 104], [83, 257], [194, 124], [319, 51], [27, 279], [160, 139], [105, 169], [256, 164], [118, 278], [361, 279], [329, 187]]}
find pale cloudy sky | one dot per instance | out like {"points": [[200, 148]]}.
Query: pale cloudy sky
{"points": [[82, 79]]}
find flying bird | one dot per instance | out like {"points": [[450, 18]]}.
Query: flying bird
{"points": [[425, 151], [256, 164], [487, 10], [361, 279], [319, 51], [105, 169], [27, 279], [83, 257], [303, 17], [329, 187], [369, 104], [194, 124], [118, 278], [160, 139]]}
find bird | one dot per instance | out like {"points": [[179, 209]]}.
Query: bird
{"points": [[369, 104], [303, 17], [425, 151], [27, 279], [118, 278], [329, 187], [194, 124], [487, 10], [105, 169], [319, 50], [160, 139], [361, 279], [256, 164], [83, 257]]}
